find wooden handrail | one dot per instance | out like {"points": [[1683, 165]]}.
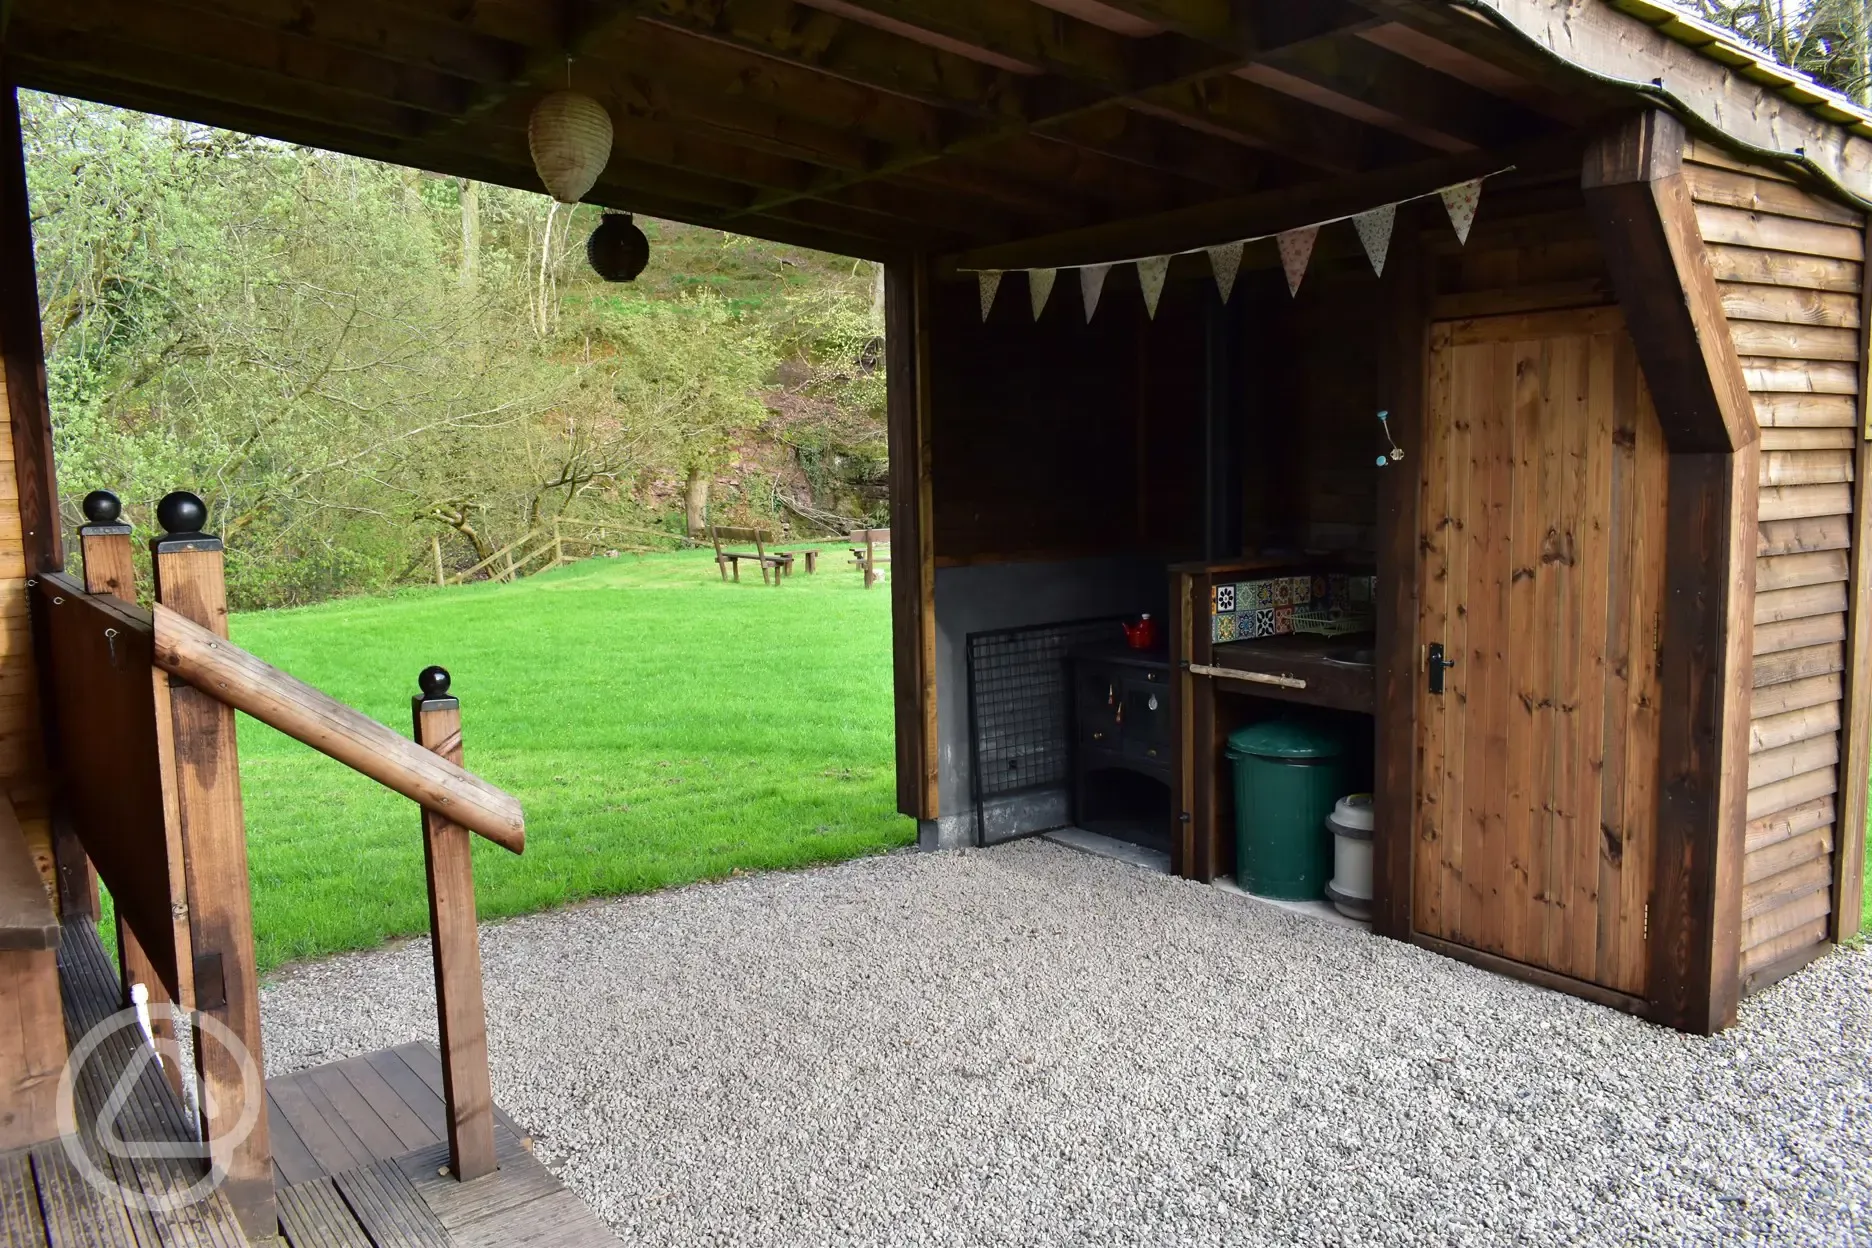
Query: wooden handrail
{"points": [[247, 683]]}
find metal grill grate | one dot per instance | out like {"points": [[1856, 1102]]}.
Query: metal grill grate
{"points": [[1020, 708]]}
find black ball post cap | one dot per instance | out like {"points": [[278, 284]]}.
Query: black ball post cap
{"points": [[102, 507], [433, 681], [181, 512]]}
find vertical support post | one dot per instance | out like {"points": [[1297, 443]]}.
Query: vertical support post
{"points": [[110, 570], [207, 802], [1849, 837], [22, 353], [1400, 495], [1633, 183], [461, 1017], [435, 547], [1183, 617], [913, 588]]}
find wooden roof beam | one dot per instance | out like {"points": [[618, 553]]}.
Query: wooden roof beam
{"points": [[1000, 104], [1264, 213], [1164, 70], [1361, 80], [253, 53], [376, 29]]}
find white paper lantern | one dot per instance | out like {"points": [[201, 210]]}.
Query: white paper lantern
{"points": [[570, 137]]}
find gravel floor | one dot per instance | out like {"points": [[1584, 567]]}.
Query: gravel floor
{"points": [[1033, 1046]]}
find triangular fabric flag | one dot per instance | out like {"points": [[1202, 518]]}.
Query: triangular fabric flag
{"points": [[1296, 248], [1374, 231], [1091, 282], [1461, 202], [1151, 275], [990, 280], [1039, 286], [1225, 260]]}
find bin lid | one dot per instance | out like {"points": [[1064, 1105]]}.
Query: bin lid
{"points": [[1285, 738]]}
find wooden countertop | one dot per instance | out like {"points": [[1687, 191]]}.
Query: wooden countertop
{"points": [[1319, 662]]}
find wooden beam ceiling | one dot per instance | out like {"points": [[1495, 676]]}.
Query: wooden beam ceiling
{"points": [[863, 126]]}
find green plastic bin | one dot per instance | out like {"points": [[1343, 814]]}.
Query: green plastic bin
{"points": [[1288, 774]]}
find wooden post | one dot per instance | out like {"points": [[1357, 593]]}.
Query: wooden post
{"points": [[907, 346], [435, 547], [461, 1017], [207, 801], [110, 570], [1640, 206]]}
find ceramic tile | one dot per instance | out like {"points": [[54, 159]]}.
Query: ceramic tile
{"points": [[1225, 628], [1299, 590], [1224, 599], [1283, 621], [1258, 594], [1283, 590], [1260, 624]]}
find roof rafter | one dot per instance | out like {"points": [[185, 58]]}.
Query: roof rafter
{"points": [[1001, 104]]}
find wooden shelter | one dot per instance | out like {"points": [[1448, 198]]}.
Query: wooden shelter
{"points": [[1630, 512]]}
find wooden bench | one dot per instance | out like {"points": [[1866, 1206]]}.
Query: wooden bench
{"points": [[870, 551], [725, 560], [32, 1030]]}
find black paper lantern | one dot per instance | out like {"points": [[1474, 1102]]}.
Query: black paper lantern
{"points": [[617, 249]]}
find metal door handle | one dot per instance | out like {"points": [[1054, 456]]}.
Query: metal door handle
{"points": [[1437, 665]]}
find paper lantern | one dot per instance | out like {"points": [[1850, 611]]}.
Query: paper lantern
{"points": [[569, 136], [617, 249]]}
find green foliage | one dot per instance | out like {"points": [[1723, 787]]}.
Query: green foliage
{"points": [[347, 359], [658, 725], [1829, 40]]}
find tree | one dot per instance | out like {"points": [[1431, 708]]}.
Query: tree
{"points": [[344, 357], [1830, 40]]}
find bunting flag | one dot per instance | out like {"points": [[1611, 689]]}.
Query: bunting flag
{"points": [[1461, 202], [1375, 227], [1151, 273], [1296, 248], [1225, 261], [1039, 287], [1374, 231], [1091, 283]]}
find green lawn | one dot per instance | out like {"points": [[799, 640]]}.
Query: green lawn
{"points": [[658, 726]]}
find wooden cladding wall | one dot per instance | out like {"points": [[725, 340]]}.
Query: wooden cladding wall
{"points": [[1790, 268], [1056, 438], [22, 771]]}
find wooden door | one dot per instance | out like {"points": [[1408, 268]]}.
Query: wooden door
{"points": [[1542, 574]]}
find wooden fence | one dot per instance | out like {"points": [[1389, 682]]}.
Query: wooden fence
{"points": [[549, 546], [141, 705]]}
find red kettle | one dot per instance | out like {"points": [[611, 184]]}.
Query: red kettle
{"points": [[1141, 635]]}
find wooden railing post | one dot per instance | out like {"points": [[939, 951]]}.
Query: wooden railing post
{"points": [[110, 570], [461, 1017], [207, 798]]}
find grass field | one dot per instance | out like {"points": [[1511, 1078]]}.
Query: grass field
{"points": [[658, 726]]}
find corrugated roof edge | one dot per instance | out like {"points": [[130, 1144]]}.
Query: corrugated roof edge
{"points": [[1658, 53], [1723, 46]]}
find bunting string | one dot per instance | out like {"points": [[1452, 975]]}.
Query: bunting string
{"points": [[1374, 227]]}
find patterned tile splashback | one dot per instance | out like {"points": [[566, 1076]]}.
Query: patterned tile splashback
{"points": [[1266, 608]]}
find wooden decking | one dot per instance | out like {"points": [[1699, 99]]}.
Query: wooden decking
{"points": [[360, 1156]]}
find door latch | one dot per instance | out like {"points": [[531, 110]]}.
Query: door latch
{"points": [[1437, 665]]}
